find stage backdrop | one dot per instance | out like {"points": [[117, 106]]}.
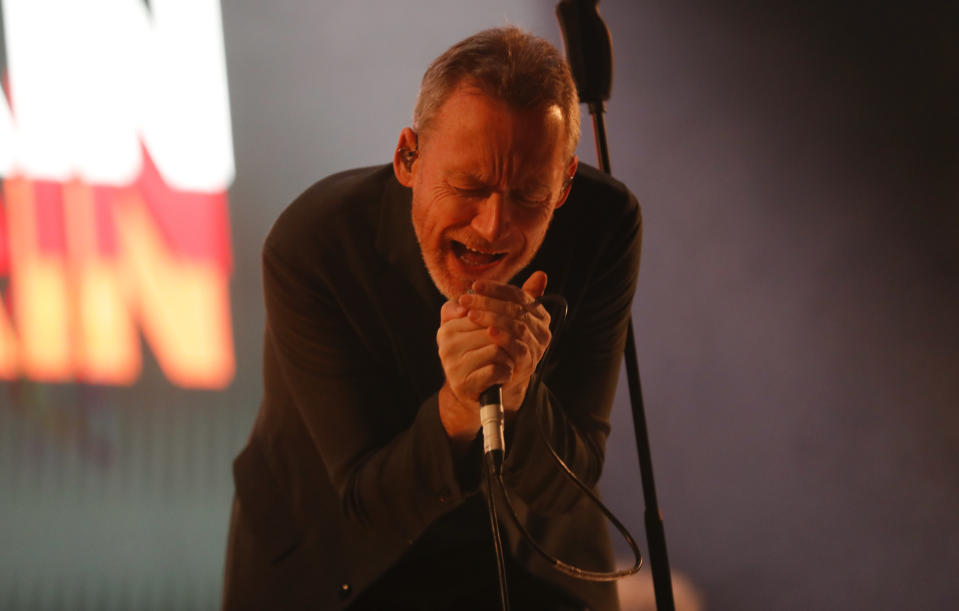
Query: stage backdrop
{"points": [[796, 312]]}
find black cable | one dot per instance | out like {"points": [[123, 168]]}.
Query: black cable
{"points": [[569, 569], [494, 461], [496, 475]]}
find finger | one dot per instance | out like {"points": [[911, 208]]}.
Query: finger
{"points": [[462, 342], [460, 336], [525, 353], [461, 362], [469, 373], [535, 285], [524, 328], [529, 328], [511, 309], [499, 290], [512, 318], [459, 323], [520, 352], [451, 310], [485, 376]]}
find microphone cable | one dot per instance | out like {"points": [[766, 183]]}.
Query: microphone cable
{"points": [[494, 460]]}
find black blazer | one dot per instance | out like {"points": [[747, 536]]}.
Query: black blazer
{"points": [[348, 463]]}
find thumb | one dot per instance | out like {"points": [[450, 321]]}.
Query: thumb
{"points": [[535, 285], [451, 310]]}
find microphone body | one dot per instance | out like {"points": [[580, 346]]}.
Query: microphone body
{"points": [[491, 418]]}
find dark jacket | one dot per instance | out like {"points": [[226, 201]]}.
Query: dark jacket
{"points": [[348, 464]]}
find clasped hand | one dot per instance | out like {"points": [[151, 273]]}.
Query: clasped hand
{"points": [[496, 335]]}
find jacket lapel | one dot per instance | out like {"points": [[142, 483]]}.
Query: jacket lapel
{"points": [[411, 300]]}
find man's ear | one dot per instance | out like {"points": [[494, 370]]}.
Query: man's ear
{"points": [[570, 171], [404, 157]]}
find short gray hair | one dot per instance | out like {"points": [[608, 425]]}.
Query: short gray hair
{"points": [[507, 64]]}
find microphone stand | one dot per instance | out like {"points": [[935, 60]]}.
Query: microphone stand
{"points": [[590, 56]]}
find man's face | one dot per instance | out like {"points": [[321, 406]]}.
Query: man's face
{"points": [[485, 185]]}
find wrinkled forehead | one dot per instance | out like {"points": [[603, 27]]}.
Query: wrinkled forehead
{"points": [[538, 113], [494, 143]]}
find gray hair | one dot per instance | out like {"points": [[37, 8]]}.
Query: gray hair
{"points": [[508, 64]]}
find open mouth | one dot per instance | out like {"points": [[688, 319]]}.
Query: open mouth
{"points": [[475, 258]]}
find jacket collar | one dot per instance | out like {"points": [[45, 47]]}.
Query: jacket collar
{"points": [[396, 240]]}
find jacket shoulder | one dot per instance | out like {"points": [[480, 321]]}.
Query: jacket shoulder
{"points": [[340, 206], [602, 190]]}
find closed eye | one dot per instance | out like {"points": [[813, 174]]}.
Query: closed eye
{"points": [[478, 192], [527, 198], [532, 199]]}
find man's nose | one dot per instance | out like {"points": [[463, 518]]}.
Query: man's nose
{"points": [[492, 217]]}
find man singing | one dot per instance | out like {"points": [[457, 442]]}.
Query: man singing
{"points": [[395, 295]]}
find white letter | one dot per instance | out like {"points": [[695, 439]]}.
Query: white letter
{"points": [[74, 110], [187, 119], [89, 79]]}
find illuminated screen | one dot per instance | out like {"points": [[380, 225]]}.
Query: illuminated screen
{"points": [[115, 155]]}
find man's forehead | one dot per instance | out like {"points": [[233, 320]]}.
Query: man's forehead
{"points": [[539, 126], [476, 175], [468, 90]]}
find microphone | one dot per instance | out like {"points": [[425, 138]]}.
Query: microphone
{"points": [[491, 417], [491, 401]]}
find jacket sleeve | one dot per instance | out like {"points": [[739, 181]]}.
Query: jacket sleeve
{"points": [[394, 475], [572, 403]]}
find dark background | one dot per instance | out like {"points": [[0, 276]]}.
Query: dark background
{"points": [[796, 314]]}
